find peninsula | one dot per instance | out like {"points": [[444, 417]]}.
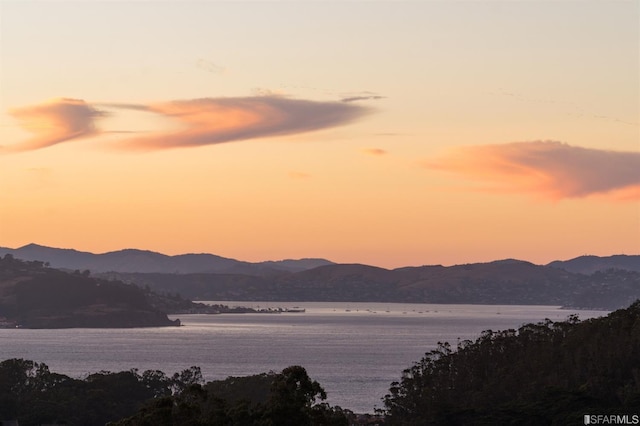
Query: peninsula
{"points": [[32, 295]]}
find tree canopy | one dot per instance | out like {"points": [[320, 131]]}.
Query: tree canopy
{"points": [[32, 394], [544, 373], [270, 399]]}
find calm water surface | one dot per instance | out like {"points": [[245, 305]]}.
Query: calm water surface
{"points": [[355, 350]]}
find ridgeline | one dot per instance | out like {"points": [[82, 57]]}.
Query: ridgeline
{"points": [[509, 282], [586, 282], [33, 295]]}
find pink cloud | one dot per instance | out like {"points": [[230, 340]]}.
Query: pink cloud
{"points": [[218, 120], [54, 122], [203, 121], [374, 151], [549, 169]]}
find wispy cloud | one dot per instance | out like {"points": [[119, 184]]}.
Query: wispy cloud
{"points": [[548, 169], [203, 121], [209, 66], [361, 98], [217, 120], [571, 108], [374, 151], [54, 122], [263, 91]]}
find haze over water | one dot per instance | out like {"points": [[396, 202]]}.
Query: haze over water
{"points": [[355, 350]]}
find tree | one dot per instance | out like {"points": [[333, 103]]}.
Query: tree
{"points": [[286, 398], [292, 396], [184, 379], [544, 373]]}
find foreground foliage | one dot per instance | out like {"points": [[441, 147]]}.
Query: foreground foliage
{"points": [[286, 398], [34, 395], [544, 373]]}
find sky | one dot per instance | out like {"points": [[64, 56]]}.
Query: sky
{"points": [[390, 133]]}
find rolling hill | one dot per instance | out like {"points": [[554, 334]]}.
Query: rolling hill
{"points": [[512, 282], [35, 296], [586, 282], [133, 260], [591, 264]]}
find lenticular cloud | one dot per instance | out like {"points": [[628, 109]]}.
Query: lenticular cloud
{"points": [[201, 122], [218, 120], [549, 169], [56, 121]]}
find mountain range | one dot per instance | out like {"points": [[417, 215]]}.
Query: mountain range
{"points": [[585, 282], [145, 261], [133, 260]]}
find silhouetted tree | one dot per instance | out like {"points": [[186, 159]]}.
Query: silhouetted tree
{"points": [[544, 373]]}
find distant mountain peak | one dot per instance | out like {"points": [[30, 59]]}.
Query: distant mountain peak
{"points": [[147, 261], [511, 261], [138, 260], [39, 246], [32, 245], [132, 250]]}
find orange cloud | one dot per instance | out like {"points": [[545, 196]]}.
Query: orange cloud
{"points": [[374, 151], [54, 122], [549, 169], [204, 121], [217, 120]]}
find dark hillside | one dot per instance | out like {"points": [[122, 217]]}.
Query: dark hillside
{"points": [[545, 373], [588, 282], [344, 282], [591, 264], [203, 286], [34, 296], [501, 282]]}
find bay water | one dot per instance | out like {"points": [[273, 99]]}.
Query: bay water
{"points": [[354, 350]]}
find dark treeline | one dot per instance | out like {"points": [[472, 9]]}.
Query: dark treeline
{"points": [[33, 395], [288, 398], [550, 373]]}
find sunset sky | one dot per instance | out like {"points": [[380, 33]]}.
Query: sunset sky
{"points": [[390, 133]]}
